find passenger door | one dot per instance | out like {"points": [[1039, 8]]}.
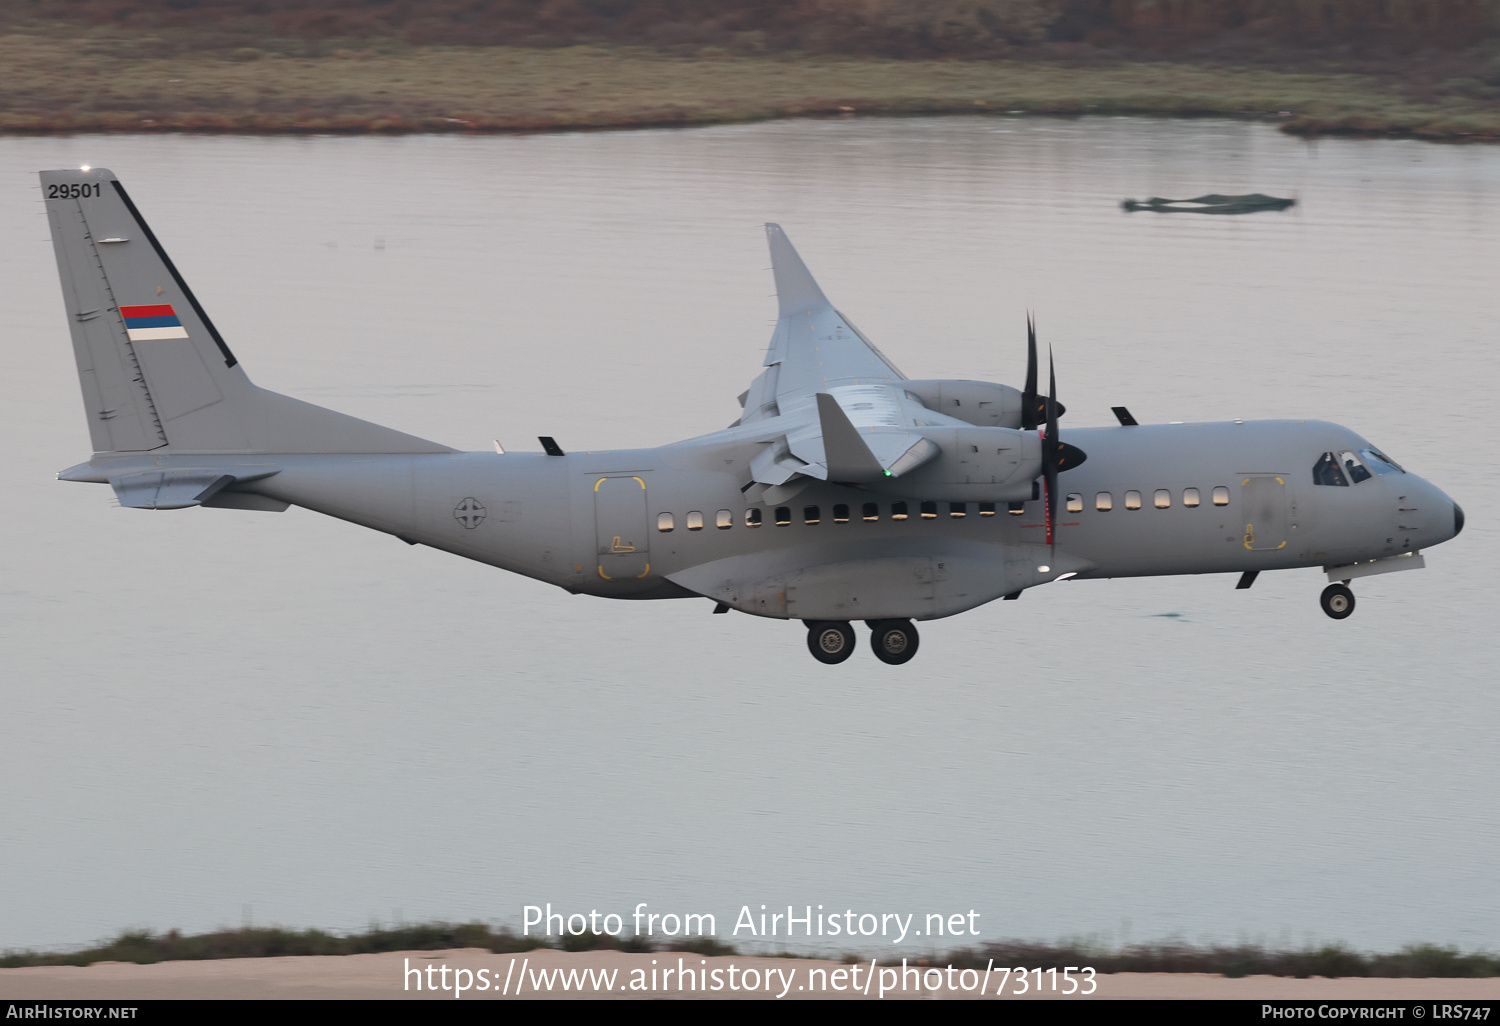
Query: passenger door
{"points": [[620, 528]]}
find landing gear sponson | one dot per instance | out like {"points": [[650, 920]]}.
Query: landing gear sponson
{"points": [[832, 641]]}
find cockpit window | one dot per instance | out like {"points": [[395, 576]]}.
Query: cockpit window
{"points": [[1356, 470], [1380, 462], [1327, 471]]}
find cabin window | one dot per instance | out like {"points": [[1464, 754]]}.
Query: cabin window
{"points": [[1221, 495], [957, 509], [1104, 502], [811, 515], [1015, 509], [841, 514], [929, 511], [664, 522], [986, 509], [1163, 498], [1075, 502], [898, 511], [783, 515], [752, 518], [1190, 496], [871, 511], [695, 521], [1132, 499], [723, 520], [1327, 472]]}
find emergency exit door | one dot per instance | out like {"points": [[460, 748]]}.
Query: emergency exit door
{"points": [[1263, 507]]}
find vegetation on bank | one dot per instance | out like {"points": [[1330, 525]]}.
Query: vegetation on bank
{"points": [[144, 947], [103, 79], [882, 28], [1425, 68]]}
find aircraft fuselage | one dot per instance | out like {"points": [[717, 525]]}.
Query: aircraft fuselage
{"points": [[1152, 500]]}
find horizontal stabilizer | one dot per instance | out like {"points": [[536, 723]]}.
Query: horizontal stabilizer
{"points": [[168, 489], [179, 489]]}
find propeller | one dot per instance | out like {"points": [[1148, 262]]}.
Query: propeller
{"points": [[1057, 455], [1051, 448], [1033, 406]]}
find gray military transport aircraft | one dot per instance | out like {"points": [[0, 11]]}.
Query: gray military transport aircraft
{"points": [[845, 491]]}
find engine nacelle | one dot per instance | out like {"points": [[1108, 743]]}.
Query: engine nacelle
{"points": [[981, 403]]}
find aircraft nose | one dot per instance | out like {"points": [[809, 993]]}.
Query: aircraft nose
{"points": [[1458, 520]]}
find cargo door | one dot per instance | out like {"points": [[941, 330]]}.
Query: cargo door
{"points": [[620, 528]]}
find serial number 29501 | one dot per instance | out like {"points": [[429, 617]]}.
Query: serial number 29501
{"points": [[73, 190]]}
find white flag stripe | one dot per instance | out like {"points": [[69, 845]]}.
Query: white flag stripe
{"points": [[147, 334]]}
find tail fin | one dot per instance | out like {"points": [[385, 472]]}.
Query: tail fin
{"points": [[156, 374]]}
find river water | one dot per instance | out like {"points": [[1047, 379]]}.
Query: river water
{"points": [[212, 717]]}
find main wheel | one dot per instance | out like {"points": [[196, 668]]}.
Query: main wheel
{"points": [[831, 641], [894, 641], [1338, 601]]}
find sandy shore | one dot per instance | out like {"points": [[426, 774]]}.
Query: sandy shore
{"points": [[400, 974]]}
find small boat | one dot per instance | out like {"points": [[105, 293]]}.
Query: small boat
{"points": [[1213, 203]]}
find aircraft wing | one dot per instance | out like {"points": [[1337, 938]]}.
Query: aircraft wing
{"points": [[814, 347]]}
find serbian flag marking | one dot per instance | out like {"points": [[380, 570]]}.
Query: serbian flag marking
{"points": [[144, 323]]}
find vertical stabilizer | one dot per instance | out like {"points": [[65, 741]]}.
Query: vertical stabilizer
{"points": [[154, 370]]}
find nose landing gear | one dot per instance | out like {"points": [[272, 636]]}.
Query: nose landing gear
{"points": [[1338, 601]]}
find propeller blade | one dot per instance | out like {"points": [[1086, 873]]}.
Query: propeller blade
{"points": [[1034, 406], [1030, 406], [1050, 447]]}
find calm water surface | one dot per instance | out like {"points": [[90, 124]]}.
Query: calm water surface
{"points": [[211, 715]]}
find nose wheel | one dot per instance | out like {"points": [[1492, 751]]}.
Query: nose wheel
{"points": [[1338, 601], [830, 641]]}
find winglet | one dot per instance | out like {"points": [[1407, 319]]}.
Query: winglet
{"points": [[845, 453], [796, 290]]}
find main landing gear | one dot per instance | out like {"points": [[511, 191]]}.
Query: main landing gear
{"points": [[832, 641], [1338, 601]]}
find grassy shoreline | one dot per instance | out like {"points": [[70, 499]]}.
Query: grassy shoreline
{"points": [[1240, 960], [58, 83]]}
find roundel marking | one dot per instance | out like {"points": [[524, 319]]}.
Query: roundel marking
{"points": [[469, 512]]}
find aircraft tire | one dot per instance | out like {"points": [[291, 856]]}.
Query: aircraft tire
{"points": [[830, 641], [894, 641], [1338, 601]]}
